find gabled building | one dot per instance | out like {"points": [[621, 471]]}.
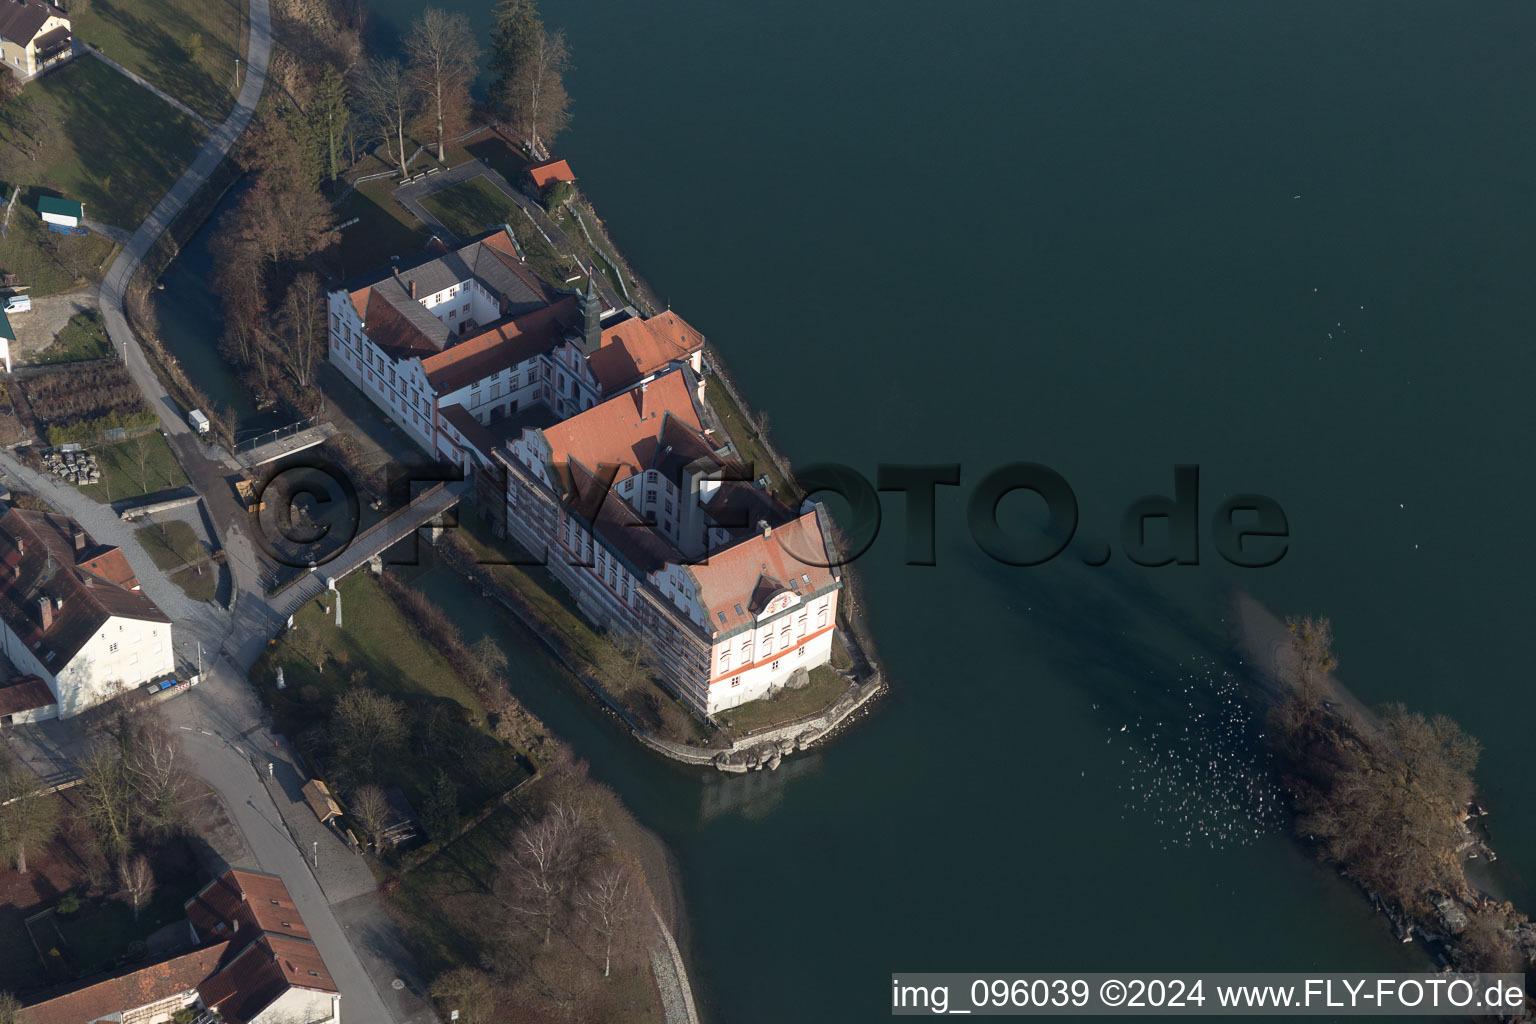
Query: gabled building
{"points": [[72, 613], [34, 35], [255, 965], [655, 531], [453, 347]]}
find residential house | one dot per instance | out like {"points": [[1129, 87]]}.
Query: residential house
{"points": [[255, 964], [72, 612], [542, 176], [34, 35]]}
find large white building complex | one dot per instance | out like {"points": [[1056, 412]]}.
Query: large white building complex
{"points": [[73, 618], [593, 447]]}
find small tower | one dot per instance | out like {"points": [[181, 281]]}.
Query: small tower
{"points": [[591, 305]]}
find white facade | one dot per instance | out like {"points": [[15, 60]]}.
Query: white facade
{"points": [[124, 653], [302, 1006], [399, 388], [790, 634]]}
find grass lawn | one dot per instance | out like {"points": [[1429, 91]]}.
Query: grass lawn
{"points": [[378, 642], [169, 544], [748, 447], [186, 47], [104, 931], [202, 586], [471, 207], [119, 465], [49, 263], [84, 337], [118, 147], [176, 545], [825, 687], [384, 229]]}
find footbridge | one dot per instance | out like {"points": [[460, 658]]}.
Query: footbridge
{"points": [[422, 511]]}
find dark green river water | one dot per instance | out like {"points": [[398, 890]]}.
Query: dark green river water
{"points": [[1289, 243]]}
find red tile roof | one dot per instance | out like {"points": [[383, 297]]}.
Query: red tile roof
{"points": [[635, 349], [500, 348], [88, 584], [624, 430], [244, 901], [732, 582], [261, 973], [550, 171], [129, 990], [25, 693]]}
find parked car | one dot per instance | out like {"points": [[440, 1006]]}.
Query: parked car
{"points": [[18, 304]]}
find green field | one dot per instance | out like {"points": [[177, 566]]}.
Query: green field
{"points": [[169, 545], [378, 646], [47, 262], [107, 142], [384, 229], [472, 206], [825, 687], [120, 476], [186, 47], [84, 337]]}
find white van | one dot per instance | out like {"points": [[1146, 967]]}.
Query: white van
{"points": [[18, 304]]}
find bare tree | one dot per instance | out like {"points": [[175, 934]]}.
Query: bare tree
{"points": [[108, 797], [28, 817], [442, 52], [388, 97], [142, 449], [468, 991], [367, 724], [539, 869], [302, 321], [10, 1009], [606, 901], [371, 808], [1312, 644], [627, 662], [543, 101], [138, 881], [156, 769], [486, 662]]}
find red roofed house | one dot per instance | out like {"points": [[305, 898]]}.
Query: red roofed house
{"points": [[72, 614], [450, 347], [543, 175], [255, 965], [657, 532]]}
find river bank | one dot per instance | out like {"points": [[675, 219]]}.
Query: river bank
{"points": [[1457, 920]]}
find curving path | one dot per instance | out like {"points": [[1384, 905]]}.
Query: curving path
{"points": [[257, 53]]}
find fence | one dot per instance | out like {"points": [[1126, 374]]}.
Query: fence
{"points": [[276, 434]]}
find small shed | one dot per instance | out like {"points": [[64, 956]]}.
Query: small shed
{"points": [[66, 213], [26, 699], [198, 421], [541, 176], [321, 801]]}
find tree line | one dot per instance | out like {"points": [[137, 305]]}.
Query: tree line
{"points": [[333, 103]]}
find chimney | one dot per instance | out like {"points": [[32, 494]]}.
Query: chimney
{"points": [[413, 289], [21, 546], [762, 524], [79, 540], [395, 271], [45, 612]]}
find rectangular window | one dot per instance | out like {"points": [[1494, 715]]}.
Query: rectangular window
{"points": [[111, 648], [802, 625], [725, 660], [774, 667], [736, 681], [821, 618]]}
